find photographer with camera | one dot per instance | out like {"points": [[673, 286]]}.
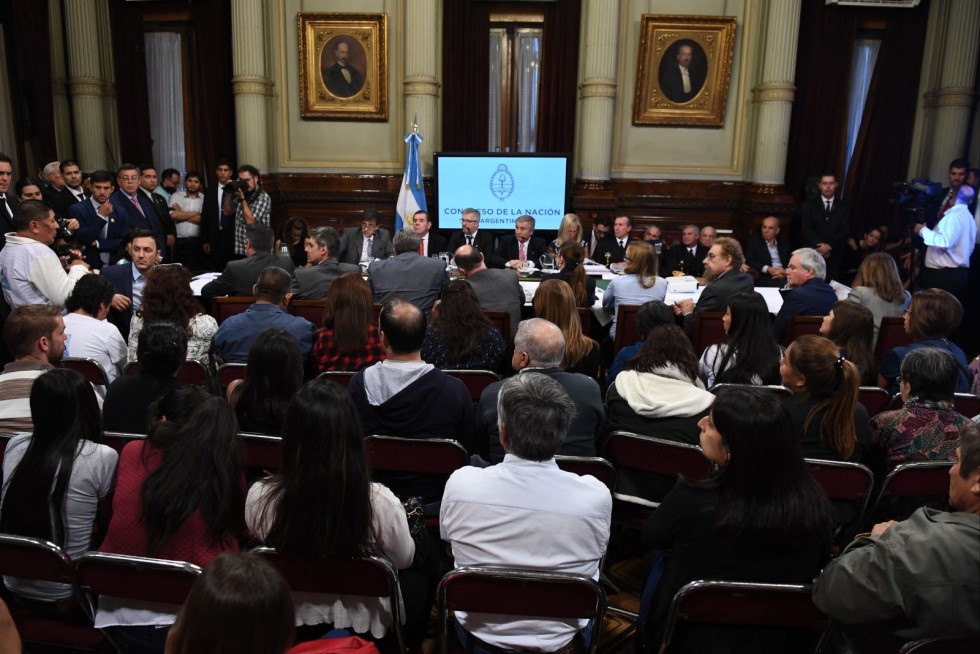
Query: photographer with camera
{"points": [[250, 203], [949, 245]]}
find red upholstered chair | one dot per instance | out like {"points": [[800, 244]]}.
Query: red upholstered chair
{"points": [[801, 326], [191, 372], [846, 482], [589, 465], [117, 439], [909, 486], [891, 334], [90, 369], [342, 377], [261, 451], [874, 399], [500, 320], [585, 317], [708, 329], [476, 380], [627, 333], [229, 372], [781, 391], [312, 310], [226, 307], [964, 403]]}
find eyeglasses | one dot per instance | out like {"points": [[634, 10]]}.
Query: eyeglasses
{"points": [[470, 222]]}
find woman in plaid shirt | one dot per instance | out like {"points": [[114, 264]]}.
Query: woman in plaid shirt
{"points": [[349, 339]]}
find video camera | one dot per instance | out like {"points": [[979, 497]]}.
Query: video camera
{"points": [[918, 199]]}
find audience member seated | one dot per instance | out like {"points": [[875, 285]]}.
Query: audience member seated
{"points": [[497, 290], [758, 517], [768, 255], [931, 316], [349, 339], [162, 348], [913, 579], [878, 287], [526, 513], [273, 375], [723, 277], [748, 355], [827, 418], [555, 302], [569, 261], [322, 247], [239, 276], [35, 336], [54, 480], [539, 347], [638, 284], [323, 457], [294, 235], [87, 333], [168, 297], [687, 257], [405, 396], [849, 326], [806, 293], [240, 603], [234, 338], [460, 336], [659, 393], [649, 316], [927, 427], [857, 252], [180, 495], [408, 275]]}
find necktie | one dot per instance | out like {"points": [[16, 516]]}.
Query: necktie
{"points": [[622, 244], [4, 209], [692, 250], [81, 197], [138, 207], [522, 256], [469, 240], [422, 246], [828, 205]]}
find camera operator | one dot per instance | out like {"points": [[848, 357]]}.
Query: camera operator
{"points": [[949, 245], [250, 203]]}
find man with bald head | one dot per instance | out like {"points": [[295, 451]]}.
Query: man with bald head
{"points": [[768, 255], [539, 347], [496, 289]]}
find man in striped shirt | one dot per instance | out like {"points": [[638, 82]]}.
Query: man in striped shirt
{"points": [[35, 336]]}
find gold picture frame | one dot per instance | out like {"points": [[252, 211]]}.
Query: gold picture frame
{"points": [[662, 95], [343, 66]]}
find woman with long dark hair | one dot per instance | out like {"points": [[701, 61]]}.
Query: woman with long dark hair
{"points": [[349, 339], [294, 235], [827, 417], [749, 354], [179, 496], [555, 302], [571, 269], [851, 328], [55, 477], [272, 376], [323, 458], [758, 517], [168, 296], [460, 336]]}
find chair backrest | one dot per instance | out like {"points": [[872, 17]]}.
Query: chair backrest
{"points": [[627, 333], [342, 377], [530, 593], [844, 481], [891, 334], [743, 603], [657, 455], [708, 328], [226, 307], [90, 369], [475, 380], [229, 372], [781, 391], [312, 310], [261, 451], [966, 404], [132, 369], [589, 465], [117, 439], [135, 577], [34, 558], [874, 399], [195, 373], [801, 326], [909, 486], [422, 455], [941, 646], [585, 317], [500, 320]]}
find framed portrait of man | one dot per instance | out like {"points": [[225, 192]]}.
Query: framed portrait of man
{"points": [[343, 66], [684, 66]]}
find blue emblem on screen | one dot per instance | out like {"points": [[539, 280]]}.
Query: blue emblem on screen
{"points": [[502, 183]]}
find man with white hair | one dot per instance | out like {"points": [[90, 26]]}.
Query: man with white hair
{"points": [[806, 292], [408, 274], [949, 246]]}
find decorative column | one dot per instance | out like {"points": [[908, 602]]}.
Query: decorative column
{"points": [[600, 36], [421, 86], [85, 83], [954, 97], [109, 105], [773, 96], [59, 89], [249, 84]]}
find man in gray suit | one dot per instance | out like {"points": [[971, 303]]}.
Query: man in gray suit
{"points": [[496, 289], [408, 275], [239, 276], [312, 283], [353, 248]]}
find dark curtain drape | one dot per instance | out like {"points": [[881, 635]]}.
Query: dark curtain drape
{"points": [[885, 139], [132, 98], [212, 103], [29, 69], [556, 123]]}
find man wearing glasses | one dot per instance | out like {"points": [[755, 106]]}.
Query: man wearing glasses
{"points": [[470, 234], [367, 242], [724, 278]]}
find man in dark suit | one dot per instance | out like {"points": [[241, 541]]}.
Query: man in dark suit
{"points": [[825, 223], [7, 200], [139, 210], [687, 257], [342, 79], [239, 276], [148, 184], [616, 246], [497, 290], [313, 282], [217, 227], [807, 293], [379, 246], [128, 279], [100, 226], [768, 255], [682, 78], [724, 278], [601, 229], [431, 243], [470, 234], [522, 246], [408, 275], [53, 184], [72, 193]]}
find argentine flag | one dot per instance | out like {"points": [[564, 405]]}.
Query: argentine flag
{"points": [[411, 197]]}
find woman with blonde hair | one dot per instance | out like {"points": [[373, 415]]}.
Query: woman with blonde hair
{"points": [[878, 287], [555, 302], [638, 284], [570, 231], [349, 339], [826, 414]]}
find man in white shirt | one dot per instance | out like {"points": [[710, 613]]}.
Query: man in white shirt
{"points": [[186, 207], [950, 244], [89, 335], [526, 512]]}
